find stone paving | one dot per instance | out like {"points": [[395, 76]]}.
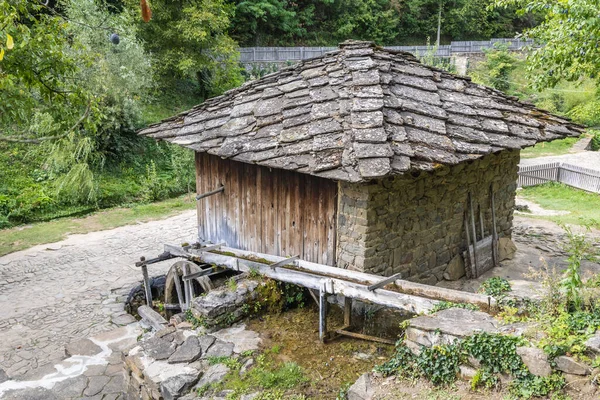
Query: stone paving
{"points": [[54, 294]]}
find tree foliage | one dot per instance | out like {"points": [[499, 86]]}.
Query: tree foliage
{"points": [[387, 22], [189, 39], [569, 39]]}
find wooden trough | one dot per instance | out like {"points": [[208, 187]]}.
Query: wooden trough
{"points": [[391, 291]]}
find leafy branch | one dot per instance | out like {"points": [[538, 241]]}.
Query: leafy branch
{"points": [[24, 139]]}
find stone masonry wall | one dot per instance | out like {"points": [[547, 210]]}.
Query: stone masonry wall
{"points": [[414, 224]]}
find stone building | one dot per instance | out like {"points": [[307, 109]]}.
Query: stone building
{"points": [[363, 158]]}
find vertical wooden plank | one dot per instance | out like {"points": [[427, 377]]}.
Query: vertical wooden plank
{"points": [[259, 210]]}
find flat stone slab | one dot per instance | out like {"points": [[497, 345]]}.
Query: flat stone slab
{"points": [[571, 366], [83, 347], [175, 386], [159, 371], [30, 394], [95, 385], [205, 342], [447, 325], [188, 352], [214, 374], [159, 348], [242, 339], [219, 349], [3, 376]]}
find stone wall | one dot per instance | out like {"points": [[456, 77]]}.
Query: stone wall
{"points": [[414, 224]]}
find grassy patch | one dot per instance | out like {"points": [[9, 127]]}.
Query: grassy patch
{"points": [[554, 148], [273, 379], [584, 206], [23, 237]]}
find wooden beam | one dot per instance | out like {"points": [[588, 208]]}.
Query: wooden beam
{"points": [[322, 311], [203, 195], [408, 296], [355, 335], [147, 288], [211, 248], [384, 282], [281, 263], [348, 311], [311, 280], [402, 286]]}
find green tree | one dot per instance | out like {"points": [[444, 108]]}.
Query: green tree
{"points": [[188, 39], [568, 39], [67, 89], [263, 21], [496, 69]]}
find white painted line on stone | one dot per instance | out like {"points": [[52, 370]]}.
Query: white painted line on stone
{"points": [[79, 365]]}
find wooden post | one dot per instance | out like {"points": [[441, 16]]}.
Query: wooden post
{"points": [[322, 312], [147, 287], [474, 236], [347, 311], [494, 233], [177, 283]]}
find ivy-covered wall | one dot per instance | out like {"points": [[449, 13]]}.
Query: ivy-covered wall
{"points": [[414, 224]]}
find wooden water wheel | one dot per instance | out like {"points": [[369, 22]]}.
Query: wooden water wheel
{"points": [[185, 280]]}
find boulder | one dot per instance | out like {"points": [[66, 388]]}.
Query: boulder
{"points": [[592, 344], [455, 269], [466, 373], [535, 360], [219, 349], [176, 386], [506, 249], [214, 374], [188, 352], [361, 389], [571, 366], [3, 376]]}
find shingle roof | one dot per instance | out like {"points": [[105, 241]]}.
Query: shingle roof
{"points": [[359, 113]]}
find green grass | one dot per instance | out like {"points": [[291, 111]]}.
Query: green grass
{"points": [[23, 237], [584, 207], [273, 379], [554, 148]]}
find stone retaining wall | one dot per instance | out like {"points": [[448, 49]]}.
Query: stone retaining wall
{"points": [[414, 224]]}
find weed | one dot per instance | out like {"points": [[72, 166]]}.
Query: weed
{"points": [[231, 362], [231, 284], [495, 286], [443, 305], [195, 321]]}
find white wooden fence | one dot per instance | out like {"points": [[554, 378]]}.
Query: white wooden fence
{"points": [[249, 55], [572, 175]]}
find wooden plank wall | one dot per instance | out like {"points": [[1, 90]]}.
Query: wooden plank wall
{"points": [[270, 211]]}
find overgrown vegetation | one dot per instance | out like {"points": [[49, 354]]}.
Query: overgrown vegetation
{"points": [[567, 315], [274, 380]]}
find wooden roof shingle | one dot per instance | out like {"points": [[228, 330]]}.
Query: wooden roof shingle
{"points": [[359, 113]]}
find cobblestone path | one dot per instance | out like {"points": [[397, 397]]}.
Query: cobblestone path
{"points": [[51, 295]]}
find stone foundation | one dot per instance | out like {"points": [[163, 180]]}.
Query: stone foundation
{"points": [[414, 224]]}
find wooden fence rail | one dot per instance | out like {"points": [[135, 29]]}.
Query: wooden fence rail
{"points": [[572, 175], [249, 55]]}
